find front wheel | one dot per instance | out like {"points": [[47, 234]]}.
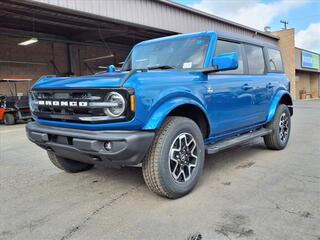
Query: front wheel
{"points": [[176, 158], [280, 126]]}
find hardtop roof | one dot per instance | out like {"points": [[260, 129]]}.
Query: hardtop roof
{"points": [[221, 35]]}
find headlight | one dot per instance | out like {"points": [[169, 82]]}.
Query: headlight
{"points": [[119, 102], [32, 102]]}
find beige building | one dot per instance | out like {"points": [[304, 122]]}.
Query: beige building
{"points": [[301, 66], [307, 79]]}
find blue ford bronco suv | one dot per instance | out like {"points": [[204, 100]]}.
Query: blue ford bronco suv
{"points": [[174, 100]]}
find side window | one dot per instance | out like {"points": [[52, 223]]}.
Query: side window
{"points": [[274, 60], [255, 59], [228, 47]]}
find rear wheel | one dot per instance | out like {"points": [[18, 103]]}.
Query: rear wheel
{"points": [[280, 126], [67, 164], [9, 119], [176, 158]]}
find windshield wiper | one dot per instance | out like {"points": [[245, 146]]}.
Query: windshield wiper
{"points": [[151, 68], [160, 67], [133, 71]]}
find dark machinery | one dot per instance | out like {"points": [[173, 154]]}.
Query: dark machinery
{"points": [[15, 107]]}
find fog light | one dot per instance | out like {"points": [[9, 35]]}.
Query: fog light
{"points": [[108, 146]]}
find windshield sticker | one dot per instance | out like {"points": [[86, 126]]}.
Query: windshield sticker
{"points": [[187, 65], [200, 42]]}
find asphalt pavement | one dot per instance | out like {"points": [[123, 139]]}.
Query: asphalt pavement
{"points": [[247, 192]]}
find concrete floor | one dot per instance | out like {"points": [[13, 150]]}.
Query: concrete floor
{"points": [[247, 192]]}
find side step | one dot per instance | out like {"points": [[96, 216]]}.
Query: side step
{"points": [[224, 144]]}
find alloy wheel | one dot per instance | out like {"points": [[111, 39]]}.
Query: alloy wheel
{"points": [[183, 157], [284, 127]]}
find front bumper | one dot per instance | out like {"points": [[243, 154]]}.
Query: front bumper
{"points": [[111, 148]]}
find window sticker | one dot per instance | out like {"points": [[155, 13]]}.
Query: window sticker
{"points": [[199, 42], [142, 60], [187, 65]]}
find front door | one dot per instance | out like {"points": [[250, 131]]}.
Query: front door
{"points": [[231, 105], [231, 95]]}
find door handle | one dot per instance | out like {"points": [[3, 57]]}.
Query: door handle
{"points": [[269, 85], [246, 86]]}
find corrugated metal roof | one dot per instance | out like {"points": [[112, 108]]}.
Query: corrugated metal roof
{"points": [[160, 14]]}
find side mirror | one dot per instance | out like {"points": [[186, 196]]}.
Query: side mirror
{"points": [[111, 68], [226, 61]]}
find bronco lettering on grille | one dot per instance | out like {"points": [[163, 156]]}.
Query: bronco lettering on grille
{"points": [[63, 103]]}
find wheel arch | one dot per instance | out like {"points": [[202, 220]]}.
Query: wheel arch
{"points": [[196, 114], [183, 107], [281, 97], [287, 100]]}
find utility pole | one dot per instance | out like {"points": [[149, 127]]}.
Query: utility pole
{"points": [[285, 23]]}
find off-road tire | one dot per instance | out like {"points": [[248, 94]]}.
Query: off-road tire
{"points": [[155, 167], [67, 164], [273, 140], [9, 119]]}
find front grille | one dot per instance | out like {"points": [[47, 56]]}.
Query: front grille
{"points": [[74, 105]]}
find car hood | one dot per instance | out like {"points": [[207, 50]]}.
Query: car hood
{"points": [[93, 81]]}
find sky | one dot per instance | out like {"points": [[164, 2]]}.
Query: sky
{"points": [[303, 15]]}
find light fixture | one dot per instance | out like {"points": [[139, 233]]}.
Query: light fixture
{"points": [[33, 39], [29, 41]]}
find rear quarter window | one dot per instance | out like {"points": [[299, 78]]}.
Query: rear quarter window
{"points": [[274, 60]]}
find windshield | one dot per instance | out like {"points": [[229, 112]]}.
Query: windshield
{"points": [[175, 53]]}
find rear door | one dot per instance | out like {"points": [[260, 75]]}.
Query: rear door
{"points": [[259, 84]]}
